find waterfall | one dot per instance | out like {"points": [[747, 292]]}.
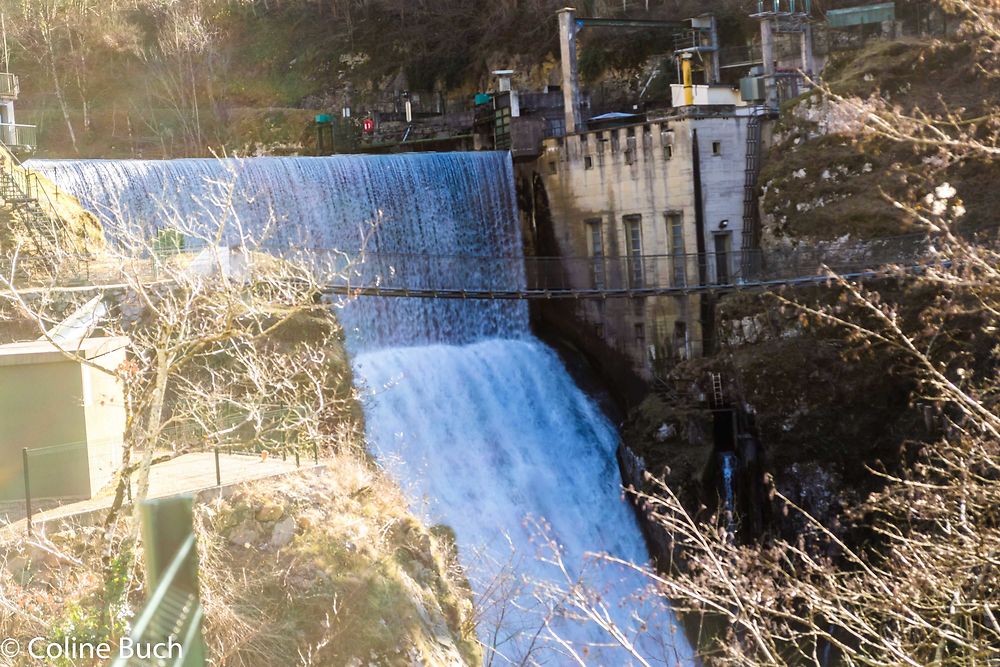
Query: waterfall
{"points": [[728, 464], [477, 420]]}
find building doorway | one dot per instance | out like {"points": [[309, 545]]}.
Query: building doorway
{"points": [[722, 252]]}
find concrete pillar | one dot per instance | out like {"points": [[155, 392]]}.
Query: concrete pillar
{"points": [[808, 62], [767, 55], [714, 75], [570, 75]]}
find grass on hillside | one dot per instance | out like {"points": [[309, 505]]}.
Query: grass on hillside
{"points": [[320, 568], [820, 185]]}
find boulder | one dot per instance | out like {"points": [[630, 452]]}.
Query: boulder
{"points": [[244, 534], [283, 533], [270, 512]]}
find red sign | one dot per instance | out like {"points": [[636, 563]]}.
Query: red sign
{"points": [[368, 125]]}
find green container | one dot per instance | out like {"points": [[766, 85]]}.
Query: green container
{"points": [[482, 98], [864, 15], [323, 119]]}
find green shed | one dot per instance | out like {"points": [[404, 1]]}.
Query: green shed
{"points": [[68, 414]]}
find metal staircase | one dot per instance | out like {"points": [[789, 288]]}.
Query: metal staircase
{"points": [[21, 194]]}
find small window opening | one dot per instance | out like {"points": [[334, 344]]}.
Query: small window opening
{"points": [[716, 148]]}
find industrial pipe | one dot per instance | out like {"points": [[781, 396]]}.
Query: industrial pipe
{"points": [[687, 78]]}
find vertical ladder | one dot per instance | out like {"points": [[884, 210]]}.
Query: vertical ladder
{"points": [[718, 397], [751, 215]]}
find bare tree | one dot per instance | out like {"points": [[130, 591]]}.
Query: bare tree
{"points": [[227, 343], [922, 589]]}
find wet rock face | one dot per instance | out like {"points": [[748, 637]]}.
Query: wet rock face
{"points": [[815, 488]]}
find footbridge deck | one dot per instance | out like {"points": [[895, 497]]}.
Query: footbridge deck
{"points": [[463, 277], [516, 278]]}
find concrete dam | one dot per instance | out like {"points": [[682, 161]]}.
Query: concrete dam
{"points": [[477, 419]]}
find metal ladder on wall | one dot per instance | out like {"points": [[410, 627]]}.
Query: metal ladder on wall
{"points": [[19, 191], [718, 395], [750, 259]]}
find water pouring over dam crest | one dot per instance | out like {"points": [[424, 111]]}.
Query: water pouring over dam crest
{"points": [[477, 420]]}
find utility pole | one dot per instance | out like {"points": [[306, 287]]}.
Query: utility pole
{"points": [[6, 52], [570, 73]]}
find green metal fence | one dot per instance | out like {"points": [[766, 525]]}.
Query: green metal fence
{"points": [[45, 469]]}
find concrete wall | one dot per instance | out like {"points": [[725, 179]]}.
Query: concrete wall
{"points": [[104, 409], [40, 403], [69, 415], [646, 170]]}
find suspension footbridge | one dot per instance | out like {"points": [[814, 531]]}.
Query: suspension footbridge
{"points": [[430, 276]]}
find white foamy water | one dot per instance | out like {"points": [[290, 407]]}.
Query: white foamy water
{"points": [[478, 420]]}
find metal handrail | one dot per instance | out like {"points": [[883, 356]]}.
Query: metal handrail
{"points": [[167, 580], [19, 135], [10, 85], [7, 156], [160, 600], [399, 272]]}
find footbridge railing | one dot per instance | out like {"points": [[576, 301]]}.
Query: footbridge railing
{"points": [[483, 277], [446, 276]]}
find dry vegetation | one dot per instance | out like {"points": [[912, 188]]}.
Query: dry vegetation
{"points": [[319, 568], [831, 173], [906, 572], [150, 78], [230, 346]]}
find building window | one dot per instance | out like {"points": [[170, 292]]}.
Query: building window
{"points": [[588, 162], [716, 148], [555, 127], [552, 167], [595, 241], [633, 240], [615, 141], [667, 142], [501, 129], [678, 252], [640, 333]]}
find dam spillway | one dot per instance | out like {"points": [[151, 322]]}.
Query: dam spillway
{"points": [[476, 419]]}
